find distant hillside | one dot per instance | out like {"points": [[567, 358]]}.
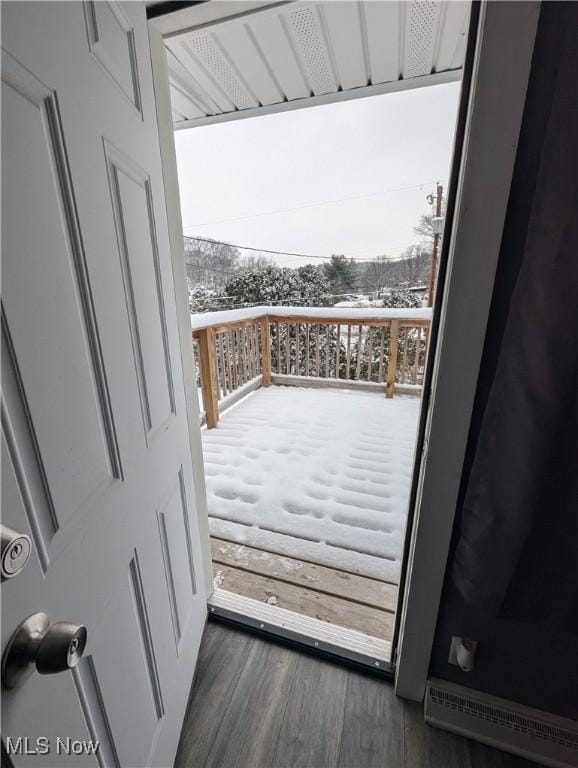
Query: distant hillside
{"points": [[384, 273]]}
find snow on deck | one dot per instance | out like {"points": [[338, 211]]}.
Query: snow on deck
{"points": [[317, 474]]}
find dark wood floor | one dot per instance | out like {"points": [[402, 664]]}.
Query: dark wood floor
{"points": [[256, 704]]}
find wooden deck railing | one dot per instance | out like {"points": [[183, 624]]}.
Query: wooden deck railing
{"points": [[382, 350]]}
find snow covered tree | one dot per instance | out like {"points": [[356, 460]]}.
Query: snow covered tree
{"points": [[203, 299], [304, 286], [400, 298]]}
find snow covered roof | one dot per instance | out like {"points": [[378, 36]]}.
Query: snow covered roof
{"points": [[210, 319]]}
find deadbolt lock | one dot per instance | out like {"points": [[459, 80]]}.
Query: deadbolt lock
{"points": [[15, 551]]}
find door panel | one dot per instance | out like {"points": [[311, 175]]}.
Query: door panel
{"points": [[96, 463], [137, 243], [71, 424]]}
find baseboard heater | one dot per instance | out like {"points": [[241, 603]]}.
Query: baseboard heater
{"points": [[503, 724]]}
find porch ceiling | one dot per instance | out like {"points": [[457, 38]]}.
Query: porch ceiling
{"points": [[289, 55]]}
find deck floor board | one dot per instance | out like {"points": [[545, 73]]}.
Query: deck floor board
{"points": [[327, 596]]}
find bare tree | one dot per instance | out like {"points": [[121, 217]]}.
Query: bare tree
{"points": [[377, 274], [210, 263], [257, 261]]}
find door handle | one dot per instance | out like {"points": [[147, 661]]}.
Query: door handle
{"points": [[15, 550], [39, 644]]}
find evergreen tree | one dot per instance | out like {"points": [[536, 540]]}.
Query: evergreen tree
{"points": [[341, 274]]}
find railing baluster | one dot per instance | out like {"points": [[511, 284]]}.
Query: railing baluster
{"points": [[278, 331], [256, 349], [317, 351], [348, 353], [381, 349], [245, 347], [238, 356], [359, 352], [226, 378], [297, 356], [250, 364], [369, 351], [338, 350], [416, 355], [327, 349], [287, 350], [229, 360], [307, 349], [403, 376], [245, 354], [425, 348]]}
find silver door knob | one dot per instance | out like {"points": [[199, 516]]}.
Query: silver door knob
{"points": [[14, 552], [38, 644]]}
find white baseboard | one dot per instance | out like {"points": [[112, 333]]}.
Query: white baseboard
{"points": [[531, 733]]}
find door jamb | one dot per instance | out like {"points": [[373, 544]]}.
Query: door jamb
{"points": [[173, 208], [499, 84]]}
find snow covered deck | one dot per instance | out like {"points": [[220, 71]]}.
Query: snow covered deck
{"points": [[311, 486]]}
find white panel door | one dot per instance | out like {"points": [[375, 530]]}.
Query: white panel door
{"points": [[96, 464]]}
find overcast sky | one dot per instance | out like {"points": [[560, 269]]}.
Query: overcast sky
{"points": [[228, 173]]}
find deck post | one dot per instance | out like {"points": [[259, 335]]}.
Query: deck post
{"points": [[209, 384], [392, 362], [266, 351]]}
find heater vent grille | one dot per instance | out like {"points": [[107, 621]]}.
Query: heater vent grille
{"points": [[515, 721]]}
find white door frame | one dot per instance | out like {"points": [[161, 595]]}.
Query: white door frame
{"points": [[499, 83], [175, 224], [501, 68]]}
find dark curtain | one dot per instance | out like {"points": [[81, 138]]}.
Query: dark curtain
{"points": [[516, 548]]}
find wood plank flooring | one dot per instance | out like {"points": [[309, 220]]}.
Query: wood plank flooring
{"points": [[256, 704], [334, 596]]}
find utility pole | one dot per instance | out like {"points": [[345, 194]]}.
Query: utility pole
{"points": [[434, 255]]}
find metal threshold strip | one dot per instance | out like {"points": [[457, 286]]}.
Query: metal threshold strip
{"points": [[328, 640]]}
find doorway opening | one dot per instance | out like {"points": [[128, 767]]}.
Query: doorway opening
{"points": [[311, 339]]}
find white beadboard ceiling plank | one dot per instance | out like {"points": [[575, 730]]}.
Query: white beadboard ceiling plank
{"points": [[343, 26], [452, 35], [239, 44], [177, 117], [382, 28], [189, 61], [183, 104], [308, 39], [422, 21], [183, 79], [274, 42], [215, 61]]}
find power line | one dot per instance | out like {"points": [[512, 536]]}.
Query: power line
{"points": [[290, 253], [309, 205]]}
